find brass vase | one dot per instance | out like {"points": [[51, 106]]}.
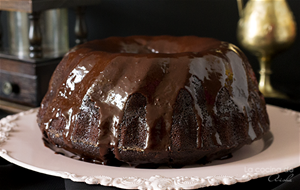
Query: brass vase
{"points": [[265, 28]]}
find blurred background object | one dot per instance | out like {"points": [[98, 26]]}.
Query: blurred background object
{"points": [[265, 28], [54, 31], [34, 36]]}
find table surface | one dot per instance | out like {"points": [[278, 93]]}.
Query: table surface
{"points": [[10, 172]]}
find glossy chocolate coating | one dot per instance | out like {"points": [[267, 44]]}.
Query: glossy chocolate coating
{"points": [[162, 100]]}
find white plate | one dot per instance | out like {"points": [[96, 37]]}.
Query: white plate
{"points": [[21, 144]]}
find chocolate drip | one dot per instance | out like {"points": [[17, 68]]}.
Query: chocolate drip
{"points": [[137, 94]]}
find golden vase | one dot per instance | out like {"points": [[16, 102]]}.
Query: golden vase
{"points": [[265, 28]]}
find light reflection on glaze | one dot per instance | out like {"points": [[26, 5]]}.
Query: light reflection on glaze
{"points": [[147, 137], [157, 76], [116, 122], [63, 94], [218, 138], [154, 51], [76, 76], [69, 120], [47, 124], [116, 99]]}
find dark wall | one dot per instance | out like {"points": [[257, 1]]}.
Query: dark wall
{"points": [[211, 18], [206, 18]]}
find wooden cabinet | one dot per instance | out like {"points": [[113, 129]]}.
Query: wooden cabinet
{"points": [[41, 5], [25, 80]]}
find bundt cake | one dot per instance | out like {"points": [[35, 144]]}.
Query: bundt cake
{"points": [[160, 100]]}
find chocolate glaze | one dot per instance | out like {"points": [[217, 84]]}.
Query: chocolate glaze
{"points": [[163, 99]]}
